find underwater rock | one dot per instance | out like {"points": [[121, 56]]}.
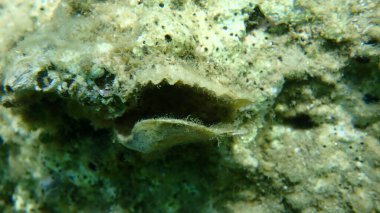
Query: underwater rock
{"points": [[189, 106]]}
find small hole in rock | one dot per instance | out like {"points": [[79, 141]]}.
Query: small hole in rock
{"points": [[43, 79], [92, 166], [69, 82], [370, 99], [8, 88], [255, 19], [168, 38], [363, 60], [300, 121], [105, 81], [8, 104]]}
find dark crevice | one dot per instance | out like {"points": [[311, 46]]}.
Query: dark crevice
{"points": [[43, 80], [50, 111], [297, 92], [177, 101], [370, 99], [361, 73], [361, 76], [106, 80], [372, 41], [300, 121], [168, 38], [8, 88], [40, 109], [362, 59], [288, 208], [255, 18], [293, 88], [331, 44]]}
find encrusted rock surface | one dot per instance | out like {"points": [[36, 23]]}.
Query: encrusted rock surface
{"points": [[190, 106]]}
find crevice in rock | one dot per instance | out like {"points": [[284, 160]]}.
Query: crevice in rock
{"points": [[178, 101], [300, 121], [291, 104]]}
